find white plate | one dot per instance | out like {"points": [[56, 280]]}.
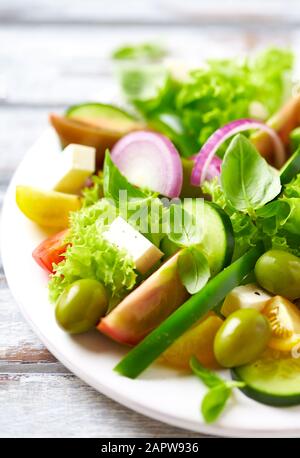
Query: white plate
{"points": [[159, 393]]}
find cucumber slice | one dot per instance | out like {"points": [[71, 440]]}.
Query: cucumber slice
{"points": [[271, 381], [291, 168], [102, 115], [218, 239]]}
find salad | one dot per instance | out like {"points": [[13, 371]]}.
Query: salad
{"points": [[176, 224]]}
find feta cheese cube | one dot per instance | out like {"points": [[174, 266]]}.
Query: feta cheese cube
{"points": [[76, 164], [245, 297], [142, 251]]}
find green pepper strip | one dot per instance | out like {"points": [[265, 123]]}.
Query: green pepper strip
{"points": [[140, 357]]}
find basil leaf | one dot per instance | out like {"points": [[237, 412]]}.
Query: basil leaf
{"points": [[208, 377], [193, 269], [216, 398], [214, 402], [183, 229], [247, 180], [114, 182]]}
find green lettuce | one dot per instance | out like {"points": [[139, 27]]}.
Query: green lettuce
{"points": [[90, 255], [213, 95], [292, 189], [275, 224], [92, 194]]}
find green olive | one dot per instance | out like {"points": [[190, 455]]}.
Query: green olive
{"points": [[242, 338], [81, 306], [279, 272]]}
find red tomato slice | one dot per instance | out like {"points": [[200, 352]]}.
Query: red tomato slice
{"points": [[51, 251]]}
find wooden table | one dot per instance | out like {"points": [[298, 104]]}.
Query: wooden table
{"points": [[54, 53]]}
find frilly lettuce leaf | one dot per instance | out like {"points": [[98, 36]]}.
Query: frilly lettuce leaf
{"points": [[273, 216], [93, 193], [292, 189], [91, 256]]}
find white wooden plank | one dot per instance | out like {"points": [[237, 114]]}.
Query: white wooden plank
{"points": [[18, 130], [17, 342], [146, 11], [61, 67], [56, 44], [74, 10], [34, 405], [51, 43]]}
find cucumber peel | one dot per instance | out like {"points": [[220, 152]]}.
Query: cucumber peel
{"points": [[271, 381], [218, 240], [98, 110]]}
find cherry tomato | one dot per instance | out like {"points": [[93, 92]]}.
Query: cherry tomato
{"points": [[51, 251]]}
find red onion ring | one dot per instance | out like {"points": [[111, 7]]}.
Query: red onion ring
{"points": [[207, 153], [149, 160]]}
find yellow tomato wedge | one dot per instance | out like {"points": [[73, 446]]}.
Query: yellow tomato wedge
{"points": [[284, 318], [197, 341], [47, 208]]}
